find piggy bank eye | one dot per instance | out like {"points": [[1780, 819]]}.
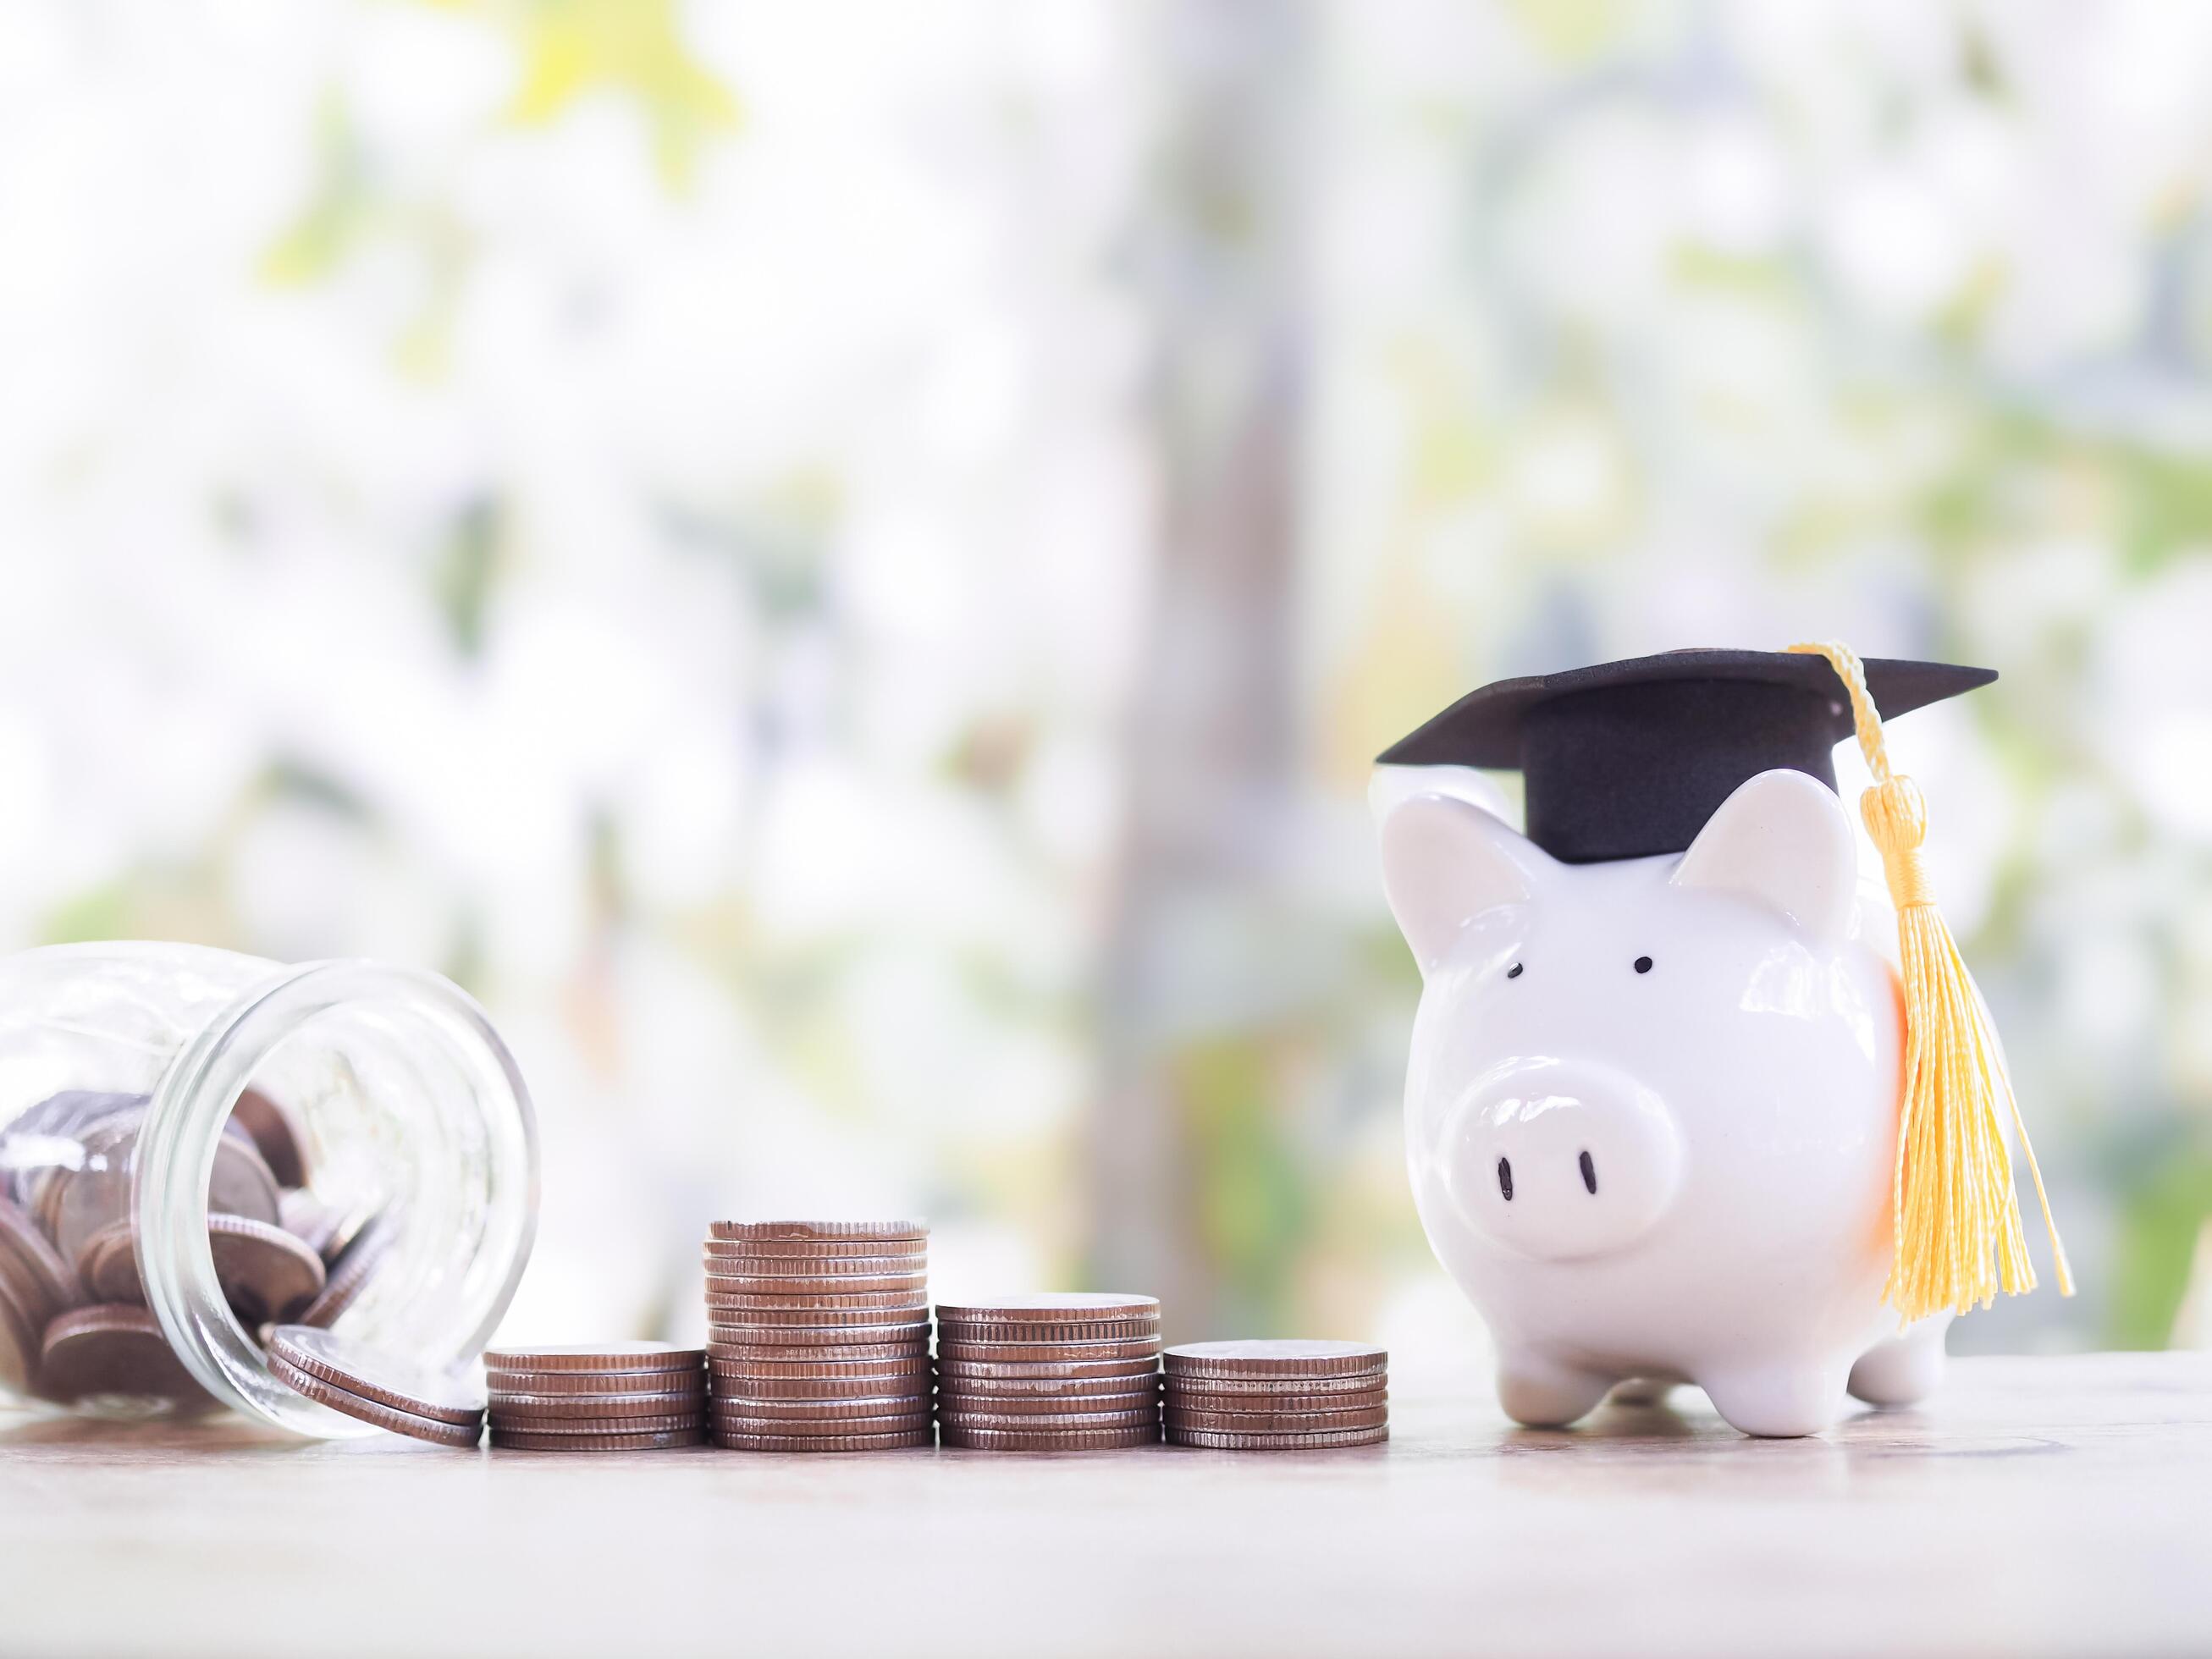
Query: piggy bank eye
{"points": [[1514, 972], [1643, 964]]}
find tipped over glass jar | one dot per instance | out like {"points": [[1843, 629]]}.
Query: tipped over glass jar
{"points": [[196, 1144]]}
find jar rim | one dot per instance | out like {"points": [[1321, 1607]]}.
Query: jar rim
{"points": [[185, 1123]]}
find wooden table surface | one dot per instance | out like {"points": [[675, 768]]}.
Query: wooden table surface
{"points": [[2059, 1505]]}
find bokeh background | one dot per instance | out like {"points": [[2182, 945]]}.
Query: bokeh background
{"points": [[841, 565]]}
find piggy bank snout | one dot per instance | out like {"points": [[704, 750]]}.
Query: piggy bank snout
{"points": [[1556, 1161]]}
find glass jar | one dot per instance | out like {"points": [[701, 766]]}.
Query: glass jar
{"points": [[195, 1144]]}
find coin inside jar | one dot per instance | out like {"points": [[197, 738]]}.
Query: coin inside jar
{"points": [[19, 1335], [109, 1263], [269, 1127], [105, 1349], [265, 1273], [350, 1274], [44, 1280]]}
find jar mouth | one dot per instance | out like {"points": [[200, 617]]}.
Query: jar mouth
{"points": [[185, 1121]]}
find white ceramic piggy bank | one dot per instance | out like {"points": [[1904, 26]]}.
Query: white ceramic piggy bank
{"points": [[1651, 1107]]}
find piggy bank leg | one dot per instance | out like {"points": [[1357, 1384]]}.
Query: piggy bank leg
{"points": [[1905, 1369], [1540, 1393], [1780, 1400]]}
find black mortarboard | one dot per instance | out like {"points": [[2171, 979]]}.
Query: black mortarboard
{"points": [[1628, 759]]}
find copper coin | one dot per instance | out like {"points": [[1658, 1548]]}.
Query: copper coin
{"points": [[1053, 1308], [1271, 1423], [1287, 1358], [825, 1389], [731, 1421], [761, 1255], [816, 1231], [899, 1302], [1254, 1408], [310, 1220], [869, 1404], [1223, 1387], [19, 1332], [273, 1136], [532, 1440], [75, 1203], [585, 1385], [1143, 1364], [608, 1359], [109, 1264], [593, 1407], [1043, 1404], [836, 1336], [1031, 1354], [437, 1430], [722, 1354], [387, 1379], [817, 1317], [349, 1227], [265, 1273], [734, 1440], [241, 1183], [47, 1280], [905, 1359], [1048, 1422], [1223, 1441], [719, 1286], [1072, 1440], [350, 1273], [1101, 1330], [666, 1423], [106, 1349]]}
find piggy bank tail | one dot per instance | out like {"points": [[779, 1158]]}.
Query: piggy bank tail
{"points": [[1954, 1211]]}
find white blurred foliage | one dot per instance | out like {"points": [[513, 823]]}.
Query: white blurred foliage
{"points": [[792, 474]]}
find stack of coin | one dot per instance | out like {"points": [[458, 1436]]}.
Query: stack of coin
{"points": [[1276, 1396], [818, 1335], [1050, 1371], [73, 1319], [595, 1397]]}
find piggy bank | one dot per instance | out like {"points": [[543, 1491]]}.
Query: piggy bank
{"points": [[1651, 1107]]}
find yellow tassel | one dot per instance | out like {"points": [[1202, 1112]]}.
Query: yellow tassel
{"points": [[1953, 1207]]}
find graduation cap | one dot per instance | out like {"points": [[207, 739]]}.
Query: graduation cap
{"points": [[1628, 759]]}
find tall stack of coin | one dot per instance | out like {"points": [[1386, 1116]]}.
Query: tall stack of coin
{"points": [[604, 1396], [1050, 1371], [818, 1335], [1276, 1396]]}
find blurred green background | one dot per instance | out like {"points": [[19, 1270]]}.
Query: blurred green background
{"points": [[842, 566]]}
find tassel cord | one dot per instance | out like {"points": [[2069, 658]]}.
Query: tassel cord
{"points": [[1952, 1203]]}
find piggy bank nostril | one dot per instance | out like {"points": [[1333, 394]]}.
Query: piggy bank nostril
{"points": [[1590, 1173], [1505, 1178]]}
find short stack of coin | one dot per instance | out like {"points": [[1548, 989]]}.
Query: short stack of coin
{"points": [[605, 1396], [1276, 1396], [817, 1334], [1050, 1371]]}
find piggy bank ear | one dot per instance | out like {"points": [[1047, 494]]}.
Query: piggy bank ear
{"points": [[1782, 838], [1445, 862]]}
